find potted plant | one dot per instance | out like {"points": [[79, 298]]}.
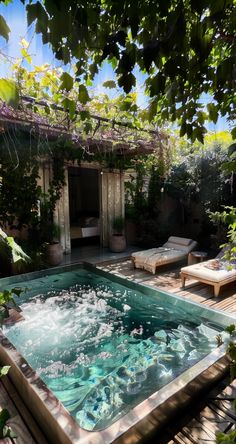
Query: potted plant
{"points": [[117, 239], [49, 234]]}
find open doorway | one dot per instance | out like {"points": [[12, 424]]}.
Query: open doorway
{"points": [[84, 206]]}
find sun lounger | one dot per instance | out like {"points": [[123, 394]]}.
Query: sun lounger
{"points": [[215, 272], [174, 250]]}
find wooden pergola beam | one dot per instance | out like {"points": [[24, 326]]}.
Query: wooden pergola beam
{"points": [[56, 107], [108, 143]]}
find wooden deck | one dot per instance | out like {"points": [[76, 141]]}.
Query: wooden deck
{"points": [[208, 416], [211, 413], [168, 279], [21, 420]]}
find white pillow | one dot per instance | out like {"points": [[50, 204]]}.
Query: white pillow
{"points": [[177, 247], [179, 240]]}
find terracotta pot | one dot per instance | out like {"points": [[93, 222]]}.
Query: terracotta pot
{"points": [[117, 243], [53, 254]]}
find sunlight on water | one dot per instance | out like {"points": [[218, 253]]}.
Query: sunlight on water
{"points": [[102, 348]]}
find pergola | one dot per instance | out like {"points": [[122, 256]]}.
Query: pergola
{"points": [[106, 135]]}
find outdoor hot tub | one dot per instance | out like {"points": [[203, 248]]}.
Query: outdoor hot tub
{"points": [[98, 358]]}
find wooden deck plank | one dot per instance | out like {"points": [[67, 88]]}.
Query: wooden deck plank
{"points": [[169, 280], [228, 392], [204, 419], [181, 438], [198, 432], [226, 407], [15, 421], [32, 427], [213, 418]]}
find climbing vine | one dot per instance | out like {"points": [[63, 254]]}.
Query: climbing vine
{"points": [[180, 67]]}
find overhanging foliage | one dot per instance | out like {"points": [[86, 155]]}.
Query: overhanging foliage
{"points": [[186, 47]]}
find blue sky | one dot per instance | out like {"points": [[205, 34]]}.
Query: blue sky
{"points": [[15, 16]]}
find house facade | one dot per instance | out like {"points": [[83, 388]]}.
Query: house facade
{"points": [[90, 199], [93, 193]]}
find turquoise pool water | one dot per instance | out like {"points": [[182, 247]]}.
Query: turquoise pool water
{"points": [[101, 347]]}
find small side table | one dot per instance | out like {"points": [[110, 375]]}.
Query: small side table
{"points": [[196, 256]]}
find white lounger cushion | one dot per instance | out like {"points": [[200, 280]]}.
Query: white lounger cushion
{"points": [[202, 271], [180, 243], [180, 240], [150, 262], [170, 252], [183, 248]]}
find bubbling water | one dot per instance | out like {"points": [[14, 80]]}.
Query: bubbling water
{"points": [[101, 353]]}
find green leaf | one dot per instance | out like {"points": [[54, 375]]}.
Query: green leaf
{"points": [[65, 54], [4, 370], [113, 61], [83, 95], [198, 133], [84, 115], [89, 81], [231, 328], [183, 129], [157, 84], [66, 82], [213, 112], [232, 149], [216, 6], [152, 110], [47, 109], [17, 253], [8, 432], [4, 416], [109, 84], [189, 130], [127, 81], [9, 92], [88, 127], [233, 133], [4, 29], [229, 166], [93, 69], [128, 105], [36, 11], [225, 71], [70, 106], [197, 5], [201, 117], [171, 93], [26, 56], [120, 37], [17, 291]]}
